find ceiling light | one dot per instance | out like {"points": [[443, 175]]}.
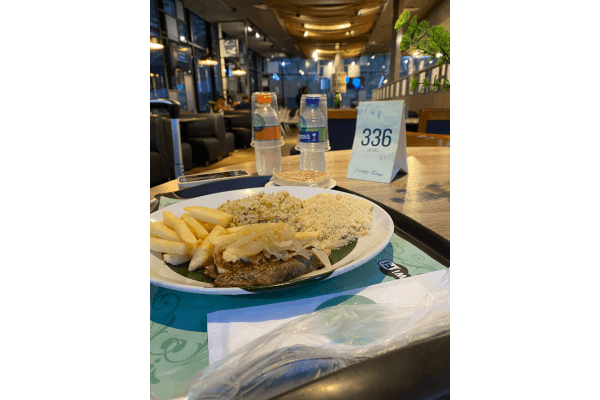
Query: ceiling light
{"points": [[353, 63], [154, 44], [373, 57], [345, 25], [207, 60], [283, 63], [261, 6], [182, 38], [257, 35], [249, 29], [385, 81], [347, 33], [330, 63], [365, 11], [368, 63], [305, 33], [237, 70]]}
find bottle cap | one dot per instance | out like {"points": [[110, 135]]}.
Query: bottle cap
{"points": [[263, 98], [312, 101]]}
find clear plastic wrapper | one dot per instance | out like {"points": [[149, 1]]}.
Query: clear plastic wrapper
{"points": [[320, 343]]}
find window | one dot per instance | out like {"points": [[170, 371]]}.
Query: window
{"points": [[169, 7], [205, 87], [198, 26], [158, 81]]}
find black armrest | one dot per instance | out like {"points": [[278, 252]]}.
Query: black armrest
{"points": [[419, 371]]}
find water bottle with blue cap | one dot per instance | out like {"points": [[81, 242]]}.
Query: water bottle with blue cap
{"points": [[313, 139]]}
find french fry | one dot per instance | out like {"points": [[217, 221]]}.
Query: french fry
{"points": [[307, 236], [204, 253], [180, 227], [209, 227], [176, 259], [159, 229], [210, 215], [169, 247], [195, 226]]}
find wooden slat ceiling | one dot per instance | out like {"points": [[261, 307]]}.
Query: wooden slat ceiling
{"points": [[294, 15]]}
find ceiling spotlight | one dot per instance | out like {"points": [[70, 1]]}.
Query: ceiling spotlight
{"points": [[365, 11], [368, 63], [305, 33], [345, 25], [257, 35], [373, 57], [347, 33], [330, 63], [353, 63], [249, 29], [283, 63]]}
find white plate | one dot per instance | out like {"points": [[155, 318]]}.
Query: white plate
{"points": [[366, 248], [331, 185]]}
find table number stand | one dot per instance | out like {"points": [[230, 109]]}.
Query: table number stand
{"points": [[379, 148]]}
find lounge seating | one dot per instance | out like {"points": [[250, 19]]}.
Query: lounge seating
{"points": [[162, 165], [241, 127], [435, 120], [208, 138]]}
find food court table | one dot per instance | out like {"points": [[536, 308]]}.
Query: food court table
{"points": [[423, 194], [178, 331]]}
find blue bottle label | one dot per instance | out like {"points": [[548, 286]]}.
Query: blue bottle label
{"points": [[310, 135]]}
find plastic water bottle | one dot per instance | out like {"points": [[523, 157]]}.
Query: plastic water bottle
{"points": [[267, 140], [312, 137]]}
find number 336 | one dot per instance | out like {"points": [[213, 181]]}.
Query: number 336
{"points": [[377, 139]]}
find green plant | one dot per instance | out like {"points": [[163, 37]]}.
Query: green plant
{"points": [[430, 41]]}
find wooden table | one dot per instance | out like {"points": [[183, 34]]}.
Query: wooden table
{"points": [[423, 194]]}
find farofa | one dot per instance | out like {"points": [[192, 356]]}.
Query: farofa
{"points": [[339, 218]]}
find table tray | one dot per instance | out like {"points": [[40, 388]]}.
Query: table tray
{"points": [[430, 242]]}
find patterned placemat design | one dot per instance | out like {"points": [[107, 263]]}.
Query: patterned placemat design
{"points": [[178, 338]]}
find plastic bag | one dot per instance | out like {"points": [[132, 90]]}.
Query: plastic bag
{"points": [[320, 343]]}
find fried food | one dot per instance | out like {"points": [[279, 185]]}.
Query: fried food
{"points": [[160, 230], [180, 227], [195, 226], [210, 215], [204, 253], [169, 247]]}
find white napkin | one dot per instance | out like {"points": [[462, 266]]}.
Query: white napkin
{"points": [[229, 330]]}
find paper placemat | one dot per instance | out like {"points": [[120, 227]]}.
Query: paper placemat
{"points": [[228, 330]]}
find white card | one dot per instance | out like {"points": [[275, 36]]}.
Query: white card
{"points": [[379, 148]]}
